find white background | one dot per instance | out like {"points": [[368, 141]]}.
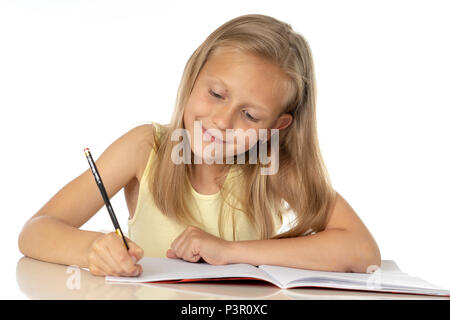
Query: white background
{"points": [[77, 74]]}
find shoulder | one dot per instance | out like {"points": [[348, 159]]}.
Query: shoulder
{"points": [[143, 134], [143, 137]]}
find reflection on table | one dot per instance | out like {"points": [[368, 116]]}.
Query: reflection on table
{"points": [[43, 280]]}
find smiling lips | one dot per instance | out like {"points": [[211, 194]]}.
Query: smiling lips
{"points": [[210, 137]]}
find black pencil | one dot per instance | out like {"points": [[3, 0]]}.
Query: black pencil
{"points": [[99, 182]]}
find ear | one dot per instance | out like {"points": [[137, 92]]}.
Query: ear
{"points": [[283, 121]]}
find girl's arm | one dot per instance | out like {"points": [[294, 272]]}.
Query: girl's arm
{"points": [[50, 239], [53, 234], [345, 245]]}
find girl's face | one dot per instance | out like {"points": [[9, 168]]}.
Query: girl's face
{"points": [[234, 91]]}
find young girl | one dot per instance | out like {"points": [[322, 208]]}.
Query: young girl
{"points": [[252, 73]]}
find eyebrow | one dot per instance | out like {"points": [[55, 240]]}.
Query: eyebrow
{"points": [[228, 92]]}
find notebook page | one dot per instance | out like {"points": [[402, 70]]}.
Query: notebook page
{"points": [[387, 278], [388, 289], [160, 269]]}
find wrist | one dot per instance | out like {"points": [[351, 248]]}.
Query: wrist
{"points": [[232, 252], [254, 252], [89, 238]]}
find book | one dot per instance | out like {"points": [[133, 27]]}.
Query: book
{"points": [[252, 289], [387, 278]]}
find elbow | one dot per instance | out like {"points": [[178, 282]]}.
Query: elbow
{"points": [[22, 239], [367, 259], [20, 242], [24, 236]]}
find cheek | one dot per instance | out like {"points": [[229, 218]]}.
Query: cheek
{"points": [[190, 111], [199, 105], [246, 142]]}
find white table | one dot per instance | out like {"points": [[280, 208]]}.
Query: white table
{"points": [[42, 280]]}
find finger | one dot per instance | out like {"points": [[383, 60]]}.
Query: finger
{"points": [[110, 258], [102, 264], [192, 257], [140, 270], [96, 271], [135, 250], [171, 254], [175, 243], [120, 254], [182, 249], [179, 240], [187, 253], [191, 253], [187, 249]]}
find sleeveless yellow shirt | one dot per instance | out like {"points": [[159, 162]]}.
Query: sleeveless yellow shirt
{"points": [[154, 232]]}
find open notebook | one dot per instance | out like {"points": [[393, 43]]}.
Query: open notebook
{"points": [[386, 279]]}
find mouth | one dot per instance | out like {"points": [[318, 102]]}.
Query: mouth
{"points": [[209, 137]]}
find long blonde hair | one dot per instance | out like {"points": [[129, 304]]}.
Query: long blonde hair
{"points": [[302, 185]]}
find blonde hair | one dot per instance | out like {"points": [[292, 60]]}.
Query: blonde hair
{"points": [[302, 185]]}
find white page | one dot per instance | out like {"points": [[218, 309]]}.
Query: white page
{"points": [[338, 285], [160, 269], [389, 277]]}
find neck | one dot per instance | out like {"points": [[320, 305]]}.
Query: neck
{"points": [[206, 174]]}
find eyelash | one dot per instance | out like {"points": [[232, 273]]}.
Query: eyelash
{"points": [[248, 115]]}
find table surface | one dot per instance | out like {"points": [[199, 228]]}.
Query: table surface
{"points": [[42, 280]]}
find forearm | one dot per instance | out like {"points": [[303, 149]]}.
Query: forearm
{"points": [[329, 250], [50, 239]]}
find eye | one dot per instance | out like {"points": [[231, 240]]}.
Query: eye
{"points": [[249, 116], [215, 95]]}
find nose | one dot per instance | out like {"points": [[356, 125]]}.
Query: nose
{"points": [[222, 118]]}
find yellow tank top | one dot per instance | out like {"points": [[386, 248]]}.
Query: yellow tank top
{"points": [[154, 232]]}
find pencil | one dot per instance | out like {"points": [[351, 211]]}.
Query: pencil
{"points": [[99, 182]]}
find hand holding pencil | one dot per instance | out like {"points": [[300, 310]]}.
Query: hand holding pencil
{"points": [[108, 256], [112, 253]]}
